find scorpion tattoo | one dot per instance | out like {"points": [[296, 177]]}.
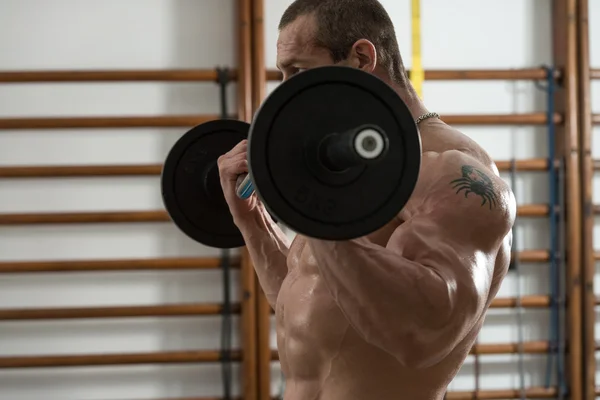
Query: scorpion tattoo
{"points": [[475, 181]]}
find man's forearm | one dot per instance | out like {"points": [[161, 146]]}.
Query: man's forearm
{"points": [[268, 247]]}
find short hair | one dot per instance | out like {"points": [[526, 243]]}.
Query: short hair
{"points": [[340, 23]]}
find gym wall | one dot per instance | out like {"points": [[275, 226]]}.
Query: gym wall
{"points": [[107, 35], [163, 34]]}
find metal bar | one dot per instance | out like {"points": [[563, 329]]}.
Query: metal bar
{"points": [[174, 75], [151, 264], [565, 54], [88, 360], [174, 121], [451, 75], [73, 171], [169, 310], [587, 172]]}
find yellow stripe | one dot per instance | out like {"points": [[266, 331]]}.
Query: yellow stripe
{"points": [[417, 74]]}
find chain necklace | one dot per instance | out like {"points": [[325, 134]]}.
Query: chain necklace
{"points": [[426, 116]]}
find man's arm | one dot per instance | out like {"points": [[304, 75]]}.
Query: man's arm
{"points": [[268, 247], [420, 295]]}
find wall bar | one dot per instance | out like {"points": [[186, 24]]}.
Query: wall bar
{"points": [[165, 310], [88, 360], [74, 171], [526, 210], [175, 121], [151, 264], [452, 75]]}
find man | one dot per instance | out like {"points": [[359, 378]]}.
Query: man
{"points": [[392, 315]]}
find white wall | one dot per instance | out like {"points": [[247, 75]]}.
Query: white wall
{"points": [[147, 34], [477, 37], [111, 34]]}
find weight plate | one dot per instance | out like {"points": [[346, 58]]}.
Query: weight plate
{"points": [[191, 189], [300, 192]]}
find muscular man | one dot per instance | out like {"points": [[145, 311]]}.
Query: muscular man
{"points": [[392, 315]]}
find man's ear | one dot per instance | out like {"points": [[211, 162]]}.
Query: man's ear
{"points": [[363, 55]]}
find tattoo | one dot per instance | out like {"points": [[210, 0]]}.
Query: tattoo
{"points": [[475, 181]]}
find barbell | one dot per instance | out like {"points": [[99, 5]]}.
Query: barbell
{"points": [[333, 153]]}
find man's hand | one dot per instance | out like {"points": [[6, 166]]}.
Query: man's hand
{"points": [[231, 166]]}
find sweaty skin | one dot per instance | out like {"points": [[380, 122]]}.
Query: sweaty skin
{"points": [[394, 314]]}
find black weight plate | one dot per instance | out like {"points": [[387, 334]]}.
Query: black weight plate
{"points": [[191, 189], [315, 202]]}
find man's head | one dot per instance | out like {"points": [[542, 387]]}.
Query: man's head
{"points": [[355, 33]]}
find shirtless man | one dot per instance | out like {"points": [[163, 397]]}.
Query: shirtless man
{"points": [[392, 315]]}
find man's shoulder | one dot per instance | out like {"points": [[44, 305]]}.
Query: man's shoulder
{"points": [[459, 186]]}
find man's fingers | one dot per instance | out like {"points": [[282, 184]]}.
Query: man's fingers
{"points": [[230, 169], [240, 148]]}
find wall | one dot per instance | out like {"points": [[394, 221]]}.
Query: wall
{"points": [[74, 34], [154, 34]]}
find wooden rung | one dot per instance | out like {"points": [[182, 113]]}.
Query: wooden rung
{"points": [[534, 256], [526, 210], [8, 267], [193, 120], [533, 210], [536, 347], [451, 75], [175, 75], [508, 119], [151, 264], [72, 171], [526, 302], [530, 393], [175, 121], [84, 218], [170, 310], [595, 74], [536, 164], [596, 119], [193, 398], [172, 357]]}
